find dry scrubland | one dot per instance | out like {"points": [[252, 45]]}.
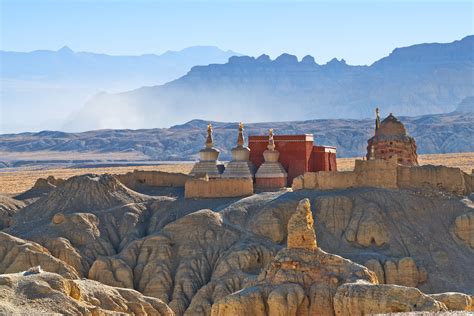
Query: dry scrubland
{"points": [[17, 181], [12, 182], [465, 161]]}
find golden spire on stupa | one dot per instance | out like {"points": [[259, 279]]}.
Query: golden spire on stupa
{"points": [[209, 140], [240, 138], [271, 142]]}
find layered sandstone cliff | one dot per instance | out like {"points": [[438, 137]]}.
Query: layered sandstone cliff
{"points": [[305, 280], [193, 254]]}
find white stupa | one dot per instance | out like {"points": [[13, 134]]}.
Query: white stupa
{"points": [[240, 166], [208, 163], [271, 173]]}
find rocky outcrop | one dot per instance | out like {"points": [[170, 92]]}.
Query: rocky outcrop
{"points": [[402, 272], [304, 280], [300, 228], [18, 255], [409, 219], [85, 192], [464, 228], [455, 301], [8, 207], [188, 268], [191, 257], [355, 299], [46, 293], [41, 188], [116, 217], [112, 271]]}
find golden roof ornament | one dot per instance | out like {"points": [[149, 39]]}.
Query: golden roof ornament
{"points": [[271, 142], [240, 138], [209, 140]]}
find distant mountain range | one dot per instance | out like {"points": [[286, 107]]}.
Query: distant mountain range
{"points": [[439, 133], [415, 80], [41, 89]]}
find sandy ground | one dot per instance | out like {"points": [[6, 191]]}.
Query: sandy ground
{"points": [[465, 161], [16, 181]]}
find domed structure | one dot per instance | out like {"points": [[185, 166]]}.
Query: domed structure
{"points": [[208, 163], [392, 140], [240, 165], [271, 173]]}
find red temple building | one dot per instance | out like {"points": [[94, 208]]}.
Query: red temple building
{"points": [[298, 154]]}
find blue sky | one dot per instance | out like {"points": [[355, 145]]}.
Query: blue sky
{"points": [[358, 31]]}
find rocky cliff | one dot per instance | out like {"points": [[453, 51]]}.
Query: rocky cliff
{"points": [[218, 255], [416, 80]]}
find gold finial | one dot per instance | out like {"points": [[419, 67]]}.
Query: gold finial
{"points": [[240, 138], [271, 142], [209, 140], [377, 120]]}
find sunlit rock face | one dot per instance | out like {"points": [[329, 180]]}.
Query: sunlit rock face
{"points": [[311, 251]]}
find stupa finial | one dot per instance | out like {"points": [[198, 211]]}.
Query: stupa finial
{"points": [[271, 142], [377, 120], [240, 138], [209, 140]]}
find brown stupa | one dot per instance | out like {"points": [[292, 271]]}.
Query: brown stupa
{"points": [[391, 140]]}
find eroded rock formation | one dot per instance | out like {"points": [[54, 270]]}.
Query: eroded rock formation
{"points": [[18, 255], [193, 254], [402, 272], [464, 228], [304, 280], [8, 207], [42, 292], [355, 299]]}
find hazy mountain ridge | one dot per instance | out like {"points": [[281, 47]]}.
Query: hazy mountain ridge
{"points": [[416, 80], [41, 89], [67, 64], [442, 133]]}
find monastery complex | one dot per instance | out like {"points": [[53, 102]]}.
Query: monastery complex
{"points": [[294, 162]]}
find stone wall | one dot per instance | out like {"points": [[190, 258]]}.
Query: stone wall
{"points": [[328, 180], [469, 181], [218, 188], [441, 177], [153, 178], [388, 174], [377, 173]]}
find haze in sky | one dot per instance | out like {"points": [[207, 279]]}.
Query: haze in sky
{"points": [[358, 31]]}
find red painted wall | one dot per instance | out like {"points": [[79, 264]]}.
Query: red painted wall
{"points": [[324, 158], [297, 154]]}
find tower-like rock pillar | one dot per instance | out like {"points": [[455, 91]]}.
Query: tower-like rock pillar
{"points": [[271, 173], [208, 156], [300, 228], [240, 166]]}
